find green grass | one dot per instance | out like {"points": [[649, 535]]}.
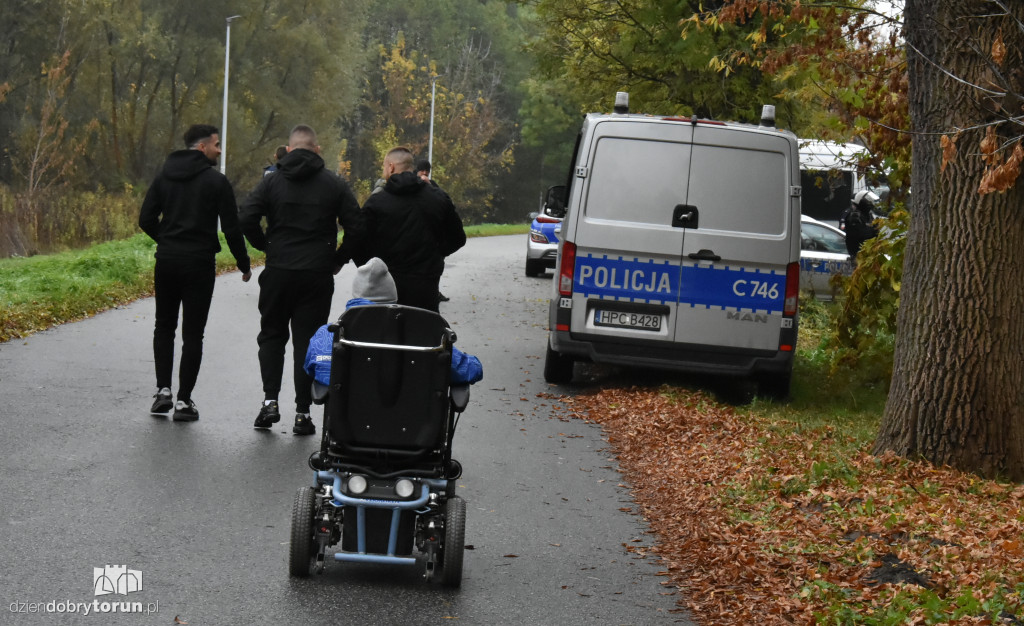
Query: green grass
{"points": [[492, 230], [45, 290], [843, 400]]}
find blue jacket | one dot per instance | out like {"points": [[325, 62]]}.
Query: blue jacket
{"points": [[465, 368]]}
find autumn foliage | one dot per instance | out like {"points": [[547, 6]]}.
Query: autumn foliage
{"points": [[845, 62]]}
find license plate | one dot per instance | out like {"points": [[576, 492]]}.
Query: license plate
{"points": [[621, 319]]}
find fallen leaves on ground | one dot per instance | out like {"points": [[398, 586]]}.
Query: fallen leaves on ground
{"points": [[765, 522]]}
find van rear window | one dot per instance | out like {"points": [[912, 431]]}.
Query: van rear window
{"points": [[826, 194], [637, 180], [738, 190]]}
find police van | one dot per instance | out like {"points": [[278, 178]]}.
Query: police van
{"points": [[830, 175], [680, 248]]}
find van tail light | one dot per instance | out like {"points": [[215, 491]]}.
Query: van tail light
{"points": [[792, 289], [567, 268]]}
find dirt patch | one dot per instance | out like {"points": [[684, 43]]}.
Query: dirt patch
{"points": [[892, 570]]}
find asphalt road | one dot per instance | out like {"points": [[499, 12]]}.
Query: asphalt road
{"points": [[89, 479]]}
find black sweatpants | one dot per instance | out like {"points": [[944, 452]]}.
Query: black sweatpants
{"points": [[417, 291], [302, 300], [186, 284]]}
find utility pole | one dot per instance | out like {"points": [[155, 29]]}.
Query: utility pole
{"points": [[224, 119], [430, 142]]}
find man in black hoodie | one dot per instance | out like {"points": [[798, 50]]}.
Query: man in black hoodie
{"points": [[303, 203], [180, 214], [412, 226]]}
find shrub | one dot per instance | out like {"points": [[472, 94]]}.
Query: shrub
{"points": [[59, 220], [860, 345]]}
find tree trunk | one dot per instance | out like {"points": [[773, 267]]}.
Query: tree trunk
{"points": [[114, 99], [957, 395]]}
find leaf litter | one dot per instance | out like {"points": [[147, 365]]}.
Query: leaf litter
{"points": [[760, 521]]}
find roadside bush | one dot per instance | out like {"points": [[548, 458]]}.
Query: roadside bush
{"points": [[12, 240], [58, 219], [859, 347]]}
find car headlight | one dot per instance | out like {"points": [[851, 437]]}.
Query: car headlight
{"points": [[538, 237], [404, 488], [357, 484]]}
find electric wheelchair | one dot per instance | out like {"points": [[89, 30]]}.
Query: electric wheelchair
{"points": [[384, 479]]}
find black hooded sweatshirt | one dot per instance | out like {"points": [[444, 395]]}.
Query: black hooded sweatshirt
{"points": [[182, 206], [411, 226], [304, 203]]}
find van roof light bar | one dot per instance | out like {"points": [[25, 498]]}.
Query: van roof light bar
{"points": [[768, 116]]}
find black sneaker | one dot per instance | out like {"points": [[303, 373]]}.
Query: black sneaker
{"points": [[303, 425], [269, 415], [442, 298], [185, 411], [163, 401]]}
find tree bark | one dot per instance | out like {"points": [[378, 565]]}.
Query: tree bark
{"points": [[957, 394]]}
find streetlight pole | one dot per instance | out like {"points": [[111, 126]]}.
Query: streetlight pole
{"points": [[224, 119], [430, 142]]}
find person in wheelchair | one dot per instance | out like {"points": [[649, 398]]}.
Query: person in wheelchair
{"points": [[373, 284], [385, 482]]}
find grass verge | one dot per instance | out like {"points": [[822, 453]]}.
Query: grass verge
{"points": [[45, 290]]}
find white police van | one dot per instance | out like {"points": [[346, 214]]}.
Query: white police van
{"points": [[680, 249], [830, 175]]}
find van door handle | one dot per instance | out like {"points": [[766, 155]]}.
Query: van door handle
{"points": [[685, 216], [704, 255]]}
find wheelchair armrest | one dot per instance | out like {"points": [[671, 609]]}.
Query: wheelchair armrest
{"points": [[320, 392], [459, 395]]}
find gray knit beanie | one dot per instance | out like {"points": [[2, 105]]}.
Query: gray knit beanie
{"points": [[373, 282]]}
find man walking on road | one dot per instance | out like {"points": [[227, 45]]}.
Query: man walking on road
{"points": [[180, 214], [303, 203], [412, 226], [423, 171]]}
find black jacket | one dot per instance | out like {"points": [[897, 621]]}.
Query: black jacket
{"points": [[859, 227], [304, 203], [181, 208], [411, 226]]}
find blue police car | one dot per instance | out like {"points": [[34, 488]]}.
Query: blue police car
{"points": [[822, 255], [542, 244]]}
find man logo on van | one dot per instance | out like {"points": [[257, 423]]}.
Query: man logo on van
{"points": [[740, 316]]}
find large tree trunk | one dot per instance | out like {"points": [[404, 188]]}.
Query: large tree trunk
{"points": [[957, 395]]}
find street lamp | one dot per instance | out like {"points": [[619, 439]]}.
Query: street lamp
{"points": [[430, 142], [224, 120]]}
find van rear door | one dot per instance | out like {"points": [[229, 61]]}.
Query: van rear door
{"points": [[742, 212], [626, 278]]}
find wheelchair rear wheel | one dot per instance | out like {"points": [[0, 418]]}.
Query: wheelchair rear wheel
{"points": [[301, 551], [454, 542]]}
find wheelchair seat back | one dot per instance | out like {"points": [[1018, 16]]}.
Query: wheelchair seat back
{"points": [[389, 384]]}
